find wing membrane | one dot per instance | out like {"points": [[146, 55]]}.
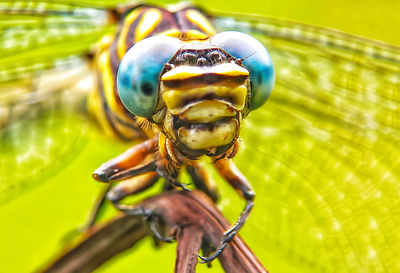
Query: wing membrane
{"points": [[44, 80], [39, 37], [325, 149]]}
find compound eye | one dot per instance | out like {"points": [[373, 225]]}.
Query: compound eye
{"points": [[139, 72], [255, 58]]}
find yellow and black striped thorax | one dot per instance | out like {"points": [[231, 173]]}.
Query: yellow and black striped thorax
{"points": [[185, 23]]}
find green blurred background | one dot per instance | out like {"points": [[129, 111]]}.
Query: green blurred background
{"points": [[32, 227]]}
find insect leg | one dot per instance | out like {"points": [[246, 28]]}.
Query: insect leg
{"points": [[121, 166], [132, 186], [120, 191], [99, 204], [202, 180], [231, 173], [152, 219]]}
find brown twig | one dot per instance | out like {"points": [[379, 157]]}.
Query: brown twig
{"points": [[191, 217], [99, 246]]}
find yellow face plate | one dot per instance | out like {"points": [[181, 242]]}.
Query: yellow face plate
{"points": [[184, 72]]}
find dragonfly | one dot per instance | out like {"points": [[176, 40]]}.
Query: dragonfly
{"points": [[323, 149]]}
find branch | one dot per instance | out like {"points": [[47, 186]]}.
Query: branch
{"points": [[191, 217], [120, 234]]}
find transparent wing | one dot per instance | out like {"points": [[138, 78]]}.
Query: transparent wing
{"points": [[44, 80], [324, 151], [40, 35]]}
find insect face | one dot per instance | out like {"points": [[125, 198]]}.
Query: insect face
{"points": [[204, 93], [196, 91]]}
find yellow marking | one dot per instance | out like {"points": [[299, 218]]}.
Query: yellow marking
{"points": [[147, 23], [161, 145], [199, 20], [229, 69], [194, 34], [124, 32], [179, 6], [105, 42], [108, 83], [199, 138], [208, 111], [233, 96], [113, 102], [184, 72], [95, 106], [173, 32]]}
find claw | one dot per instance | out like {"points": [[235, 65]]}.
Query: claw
{"points": [[214, 255], [226, 238]]}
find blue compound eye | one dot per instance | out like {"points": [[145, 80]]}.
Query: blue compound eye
{"points": [[256, 60], [139, 72]]}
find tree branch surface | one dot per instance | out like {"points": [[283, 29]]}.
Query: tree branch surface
{"points": [[190, 216]]}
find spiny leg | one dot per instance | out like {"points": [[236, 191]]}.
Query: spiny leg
{"points": [[231, 173], [99, 204], [202, 180], [132, 186], [122, 166]]}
